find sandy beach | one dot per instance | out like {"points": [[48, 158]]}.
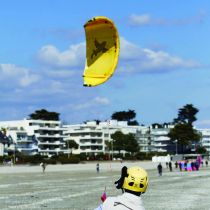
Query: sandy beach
{"points": [[86, 166], [79, 187]]}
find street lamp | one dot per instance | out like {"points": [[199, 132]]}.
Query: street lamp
{"points": [[176, 145], [112, 149], [14, 154], [109, 139]]}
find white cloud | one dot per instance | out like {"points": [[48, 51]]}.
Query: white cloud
{"points": [[147, 19], [133, 59], [101, 101], [51, 56], [13, 74], [61, 73], [138, 20], [137, 59], [97, 101], [57, 87]]}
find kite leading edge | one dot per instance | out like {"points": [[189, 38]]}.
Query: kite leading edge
{"points": [[102, 50]]}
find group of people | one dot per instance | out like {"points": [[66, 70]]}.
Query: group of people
{"points": [[184, 165], [190, 165]]}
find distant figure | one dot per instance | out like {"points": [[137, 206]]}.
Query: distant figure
{"points": [[170, 166], [97, 167], [180, 166], [43, 165], [189, 166], [176, 164], [206, 163], [196, 165], [166, 164], [160, 169], [193, 166], [185, 165]]}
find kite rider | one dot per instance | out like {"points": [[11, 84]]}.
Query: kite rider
{"points": [[133, 182]]}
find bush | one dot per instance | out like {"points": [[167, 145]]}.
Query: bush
{"points": [[99, 156], [65, 160], [1, 159], [50, 161], [82, 156], [148, 156], [27, 159]]}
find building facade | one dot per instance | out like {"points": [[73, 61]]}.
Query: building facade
{"points": [[160, 142], [49, 138], [36, 136], [205, 139], [92, 137]]}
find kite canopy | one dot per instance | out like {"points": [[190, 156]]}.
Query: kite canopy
{"points": [[102, 50]]}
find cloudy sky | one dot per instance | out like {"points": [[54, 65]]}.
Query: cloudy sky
{"points": [[164, 61]]}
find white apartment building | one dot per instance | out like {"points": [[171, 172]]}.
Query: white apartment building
{"points": [[160, 142], [22, 142], [143, 138], [36, 136], [91, 137], [49, 137], [205, 139]]}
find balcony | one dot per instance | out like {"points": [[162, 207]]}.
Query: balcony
{"points": [[162, 138], [51, 143], [160, 145], [90, 150], [27, 148], [90, 137], [38, 135], [24, 140], [48, 150], [57, 128]]}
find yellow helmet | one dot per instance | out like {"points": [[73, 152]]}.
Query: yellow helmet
{"points": [[137, 180]]}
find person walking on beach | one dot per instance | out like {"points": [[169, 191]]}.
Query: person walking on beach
{"points": [[170, 166], [43, 165], [133, 182], [176, 164], [206, 163], [97, 167], [160, 169]]}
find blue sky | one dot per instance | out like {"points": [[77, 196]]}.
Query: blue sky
{"points": [[163, 64]]}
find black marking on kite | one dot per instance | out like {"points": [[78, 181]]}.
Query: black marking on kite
{"points": [[100, 47]]}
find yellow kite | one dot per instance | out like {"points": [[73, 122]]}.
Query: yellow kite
{"points": [[102, 50]]}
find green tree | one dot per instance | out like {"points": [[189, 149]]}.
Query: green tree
{"points": [[126, 142], [184, 134], [108, 145], [125, 116], [183, 130], [118, 141], [187, 114], [200, 150], [131, 144], [71, 144], [43, 114]]}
